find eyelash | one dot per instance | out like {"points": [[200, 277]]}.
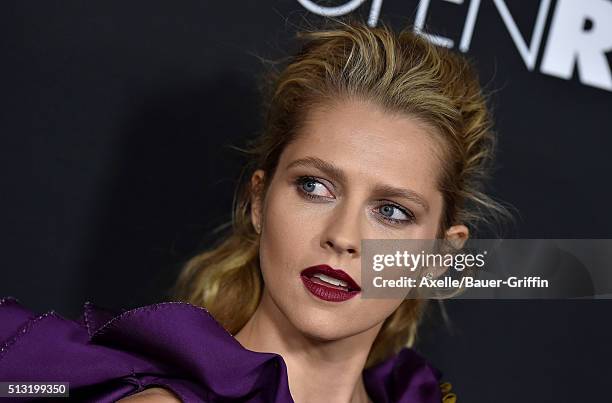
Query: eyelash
{"points": [[299, 182]]}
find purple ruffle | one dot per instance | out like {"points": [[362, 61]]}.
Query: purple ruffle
{"points": [[107, 355]]}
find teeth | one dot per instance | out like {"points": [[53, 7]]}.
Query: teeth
{"points": [[330, 280]]}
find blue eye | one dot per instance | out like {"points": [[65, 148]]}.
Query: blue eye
{"points": [[309, 186], [313, 188], [395, 214], [387, 210]]}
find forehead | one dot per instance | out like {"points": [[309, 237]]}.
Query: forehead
{"points": [[370, 144]]}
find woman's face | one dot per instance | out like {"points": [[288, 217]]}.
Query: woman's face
{"points": [[354, 172]]}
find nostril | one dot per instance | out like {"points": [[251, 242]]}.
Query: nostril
{"points": [[341, 249]]}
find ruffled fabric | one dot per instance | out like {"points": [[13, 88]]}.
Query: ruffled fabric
{"points": [[107, 355]]}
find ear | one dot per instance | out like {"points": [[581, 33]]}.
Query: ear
{"points": [[457, 235], [257, 182]]}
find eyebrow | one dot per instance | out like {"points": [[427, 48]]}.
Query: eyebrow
{"points": [[338, 175]]}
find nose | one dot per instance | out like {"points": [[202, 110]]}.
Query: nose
{"points": [[342, 232]]}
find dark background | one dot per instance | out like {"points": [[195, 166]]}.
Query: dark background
{"points": [[114, 121]]}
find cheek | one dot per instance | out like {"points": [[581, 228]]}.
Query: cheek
{"points": [[289, 223], [426, 231], [282, 241]]}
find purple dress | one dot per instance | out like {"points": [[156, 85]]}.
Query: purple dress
{"points": [[108, 355]]}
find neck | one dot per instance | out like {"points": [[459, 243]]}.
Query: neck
{"points": [[318, 370]]}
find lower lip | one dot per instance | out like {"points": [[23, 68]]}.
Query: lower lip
{"points": [[327, 293]]}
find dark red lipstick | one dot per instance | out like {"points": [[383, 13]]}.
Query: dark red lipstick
{"points": [[329, 284]]}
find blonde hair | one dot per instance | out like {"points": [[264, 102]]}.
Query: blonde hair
{"points": [[402, 73]]}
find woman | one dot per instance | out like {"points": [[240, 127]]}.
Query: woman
{"points": [[369, 134]]}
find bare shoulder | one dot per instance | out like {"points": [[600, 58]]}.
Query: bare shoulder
{"points": [[152, 395]]}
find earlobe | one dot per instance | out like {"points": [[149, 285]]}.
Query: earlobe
{"points": [[257, 181]]}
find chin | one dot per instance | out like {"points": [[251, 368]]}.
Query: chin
{"points": [[324, 325]]}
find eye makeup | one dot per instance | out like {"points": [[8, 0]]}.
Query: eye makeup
{"points": [[306, 186]]}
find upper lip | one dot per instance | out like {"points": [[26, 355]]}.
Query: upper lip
{"points": [[335, 273]]}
